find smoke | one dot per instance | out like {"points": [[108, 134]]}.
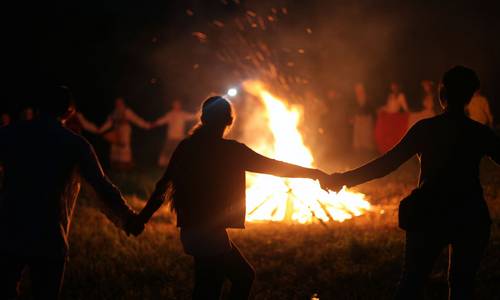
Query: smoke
{"points": [[310, 54]]}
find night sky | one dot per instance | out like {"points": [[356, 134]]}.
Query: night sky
{"points": [[146, 52]]}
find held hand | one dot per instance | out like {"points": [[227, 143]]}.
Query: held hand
{"points": [[134, 225], [335, 182], [323, 179]]}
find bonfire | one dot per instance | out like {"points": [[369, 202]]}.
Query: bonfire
{"points": [[272, 198]]}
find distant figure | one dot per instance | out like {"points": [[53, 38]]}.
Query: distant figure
{"points": [[5, 119], [118, 131], [450, 147], [392, 120], [428, 109], [176, 120], [479, 110], [205, 184], [77, 123], [28, 114], [429, 95], [396, 101], [43, 162], [363, 129]]}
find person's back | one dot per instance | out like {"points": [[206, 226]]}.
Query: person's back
{"points": [[450, 149], [40, 186], [42, 163], [207, 177], [210, 175], [447, 209]]}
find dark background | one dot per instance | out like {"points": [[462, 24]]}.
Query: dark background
{"points": [[145, 50]]}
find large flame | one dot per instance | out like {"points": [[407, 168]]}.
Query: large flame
{"points": [[290, 199]]}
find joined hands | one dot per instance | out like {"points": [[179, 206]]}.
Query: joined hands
{"points": [[333, 182], [134, 225]]}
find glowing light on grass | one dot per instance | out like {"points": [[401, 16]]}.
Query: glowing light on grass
{"points": [[296, 200]]}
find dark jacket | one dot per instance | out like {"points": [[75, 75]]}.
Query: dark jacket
{"points": [[43, 162]]}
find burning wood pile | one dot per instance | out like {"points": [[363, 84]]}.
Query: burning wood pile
{"points": [[289, 199]]}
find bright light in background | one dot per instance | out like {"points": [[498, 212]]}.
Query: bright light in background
{"points": [[232, 92]]}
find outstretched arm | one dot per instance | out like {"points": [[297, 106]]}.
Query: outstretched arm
{"points": [[86, 124], [111, 199], [254, 162], [191, 117], [164, 120], [136, 120], [385, 164], [106, 126]]}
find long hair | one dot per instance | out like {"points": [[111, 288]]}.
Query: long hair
{"points": [[217, 115]]}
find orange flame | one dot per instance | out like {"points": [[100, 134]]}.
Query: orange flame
{"points": [[291, 199]]}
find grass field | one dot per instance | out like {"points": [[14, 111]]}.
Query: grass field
{"points": [[357, 259]]}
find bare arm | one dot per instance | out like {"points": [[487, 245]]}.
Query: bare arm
{"points": [[385, 164], [191, 117], [136, 120], [86, 124], [164, 120], [106, 126], [257, 163], [114, 205]]}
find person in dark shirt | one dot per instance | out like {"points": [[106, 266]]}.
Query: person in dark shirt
{"points": [[450, 147], [43, 162], [206, 182]]}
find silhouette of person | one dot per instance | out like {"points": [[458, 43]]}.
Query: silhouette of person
{"points": [[449, 147], [176, 120], [43, 162], [205, 180], [118, 132]]}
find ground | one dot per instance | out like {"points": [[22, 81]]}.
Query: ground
{"points": [[357, 259]]}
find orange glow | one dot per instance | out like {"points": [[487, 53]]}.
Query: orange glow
{"points": [[290, 199]]}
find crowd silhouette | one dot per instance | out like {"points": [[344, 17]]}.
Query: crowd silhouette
{"points": [[204, 185]]}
